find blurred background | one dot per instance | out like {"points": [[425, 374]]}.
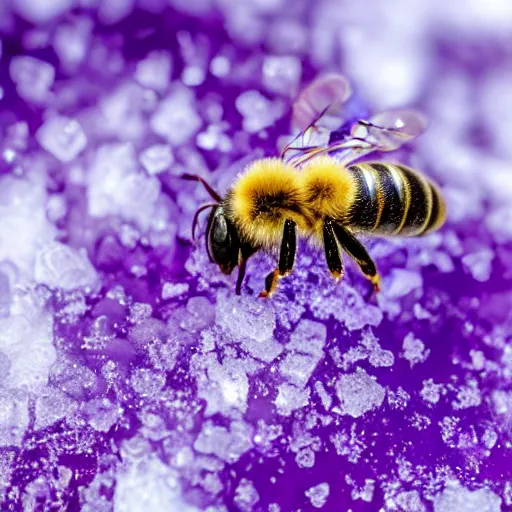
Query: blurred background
{"points": [[131, 378]]}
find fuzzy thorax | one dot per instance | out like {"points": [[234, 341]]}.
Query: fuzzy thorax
{"points": [[270, 191]]}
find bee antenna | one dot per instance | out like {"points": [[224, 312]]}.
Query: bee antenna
{"points": [[196, 217], [195, 177]]}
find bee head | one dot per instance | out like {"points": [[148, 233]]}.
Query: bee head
{"points": [[223, 241]]}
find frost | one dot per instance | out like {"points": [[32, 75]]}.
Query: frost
{"points": [[101, 414], [431, 392], [60, 266], [147, 383], [149, 484], [33, 78], [468, 396], [176, 119], [227, 444], [479, 264], [51, 406], [359, 393], [455, 498], [318, 494], [63, 137], [414, 350]]}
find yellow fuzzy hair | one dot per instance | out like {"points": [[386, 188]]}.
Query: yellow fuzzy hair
{"points": [[329, 188], [265, 178]]}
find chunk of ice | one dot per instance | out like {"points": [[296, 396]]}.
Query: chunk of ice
{"points": [[414, 350], [401, 282], [71, 43], [173, 290], [318, 494], [157, 158], [282, 74], [359, 393], [290, 398], [33, 78], [176, 118], [63, 137], [14, 417], [148, 484], [246, 496], [52, 405], [154, 72], [298, 368], [257, 111], [479, 264], [227, 445], [100, 413], [60, 266], [147, 382], [308, 338], [455, 498], [245, 318], [31, 334], [411, 501], [116, 187]]}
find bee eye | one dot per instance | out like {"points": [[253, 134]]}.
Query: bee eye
{"points": [[223, 241]]}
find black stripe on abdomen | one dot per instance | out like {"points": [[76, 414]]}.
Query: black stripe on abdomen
{"points": [[436, 210], [365, 209], [420, 203], [392, 187]]}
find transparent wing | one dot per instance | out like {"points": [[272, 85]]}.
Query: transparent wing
{"points": [[385, 131]]}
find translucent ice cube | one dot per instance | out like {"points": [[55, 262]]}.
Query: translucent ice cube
{"points": [[359, 393], [71, 43], [60, 266], [33, 78], [154, 72], [63, 137], [176, 118]]}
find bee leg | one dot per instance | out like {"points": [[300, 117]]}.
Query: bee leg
{"points": [[357, 251], [332, 251], [286, 259], [246, 251]]}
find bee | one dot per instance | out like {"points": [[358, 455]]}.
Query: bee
{"points": [[321, 194]]}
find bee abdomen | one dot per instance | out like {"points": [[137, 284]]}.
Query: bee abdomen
{"points": [[394, 200]]}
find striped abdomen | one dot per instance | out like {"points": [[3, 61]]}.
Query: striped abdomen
{"points": [[394, 200]]}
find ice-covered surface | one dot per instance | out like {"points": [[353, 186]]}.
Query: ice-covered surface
{"points": [[131, 376]]}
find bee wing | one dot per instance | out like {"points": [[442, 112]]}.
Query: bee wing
{"points": [[385, 131]]}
